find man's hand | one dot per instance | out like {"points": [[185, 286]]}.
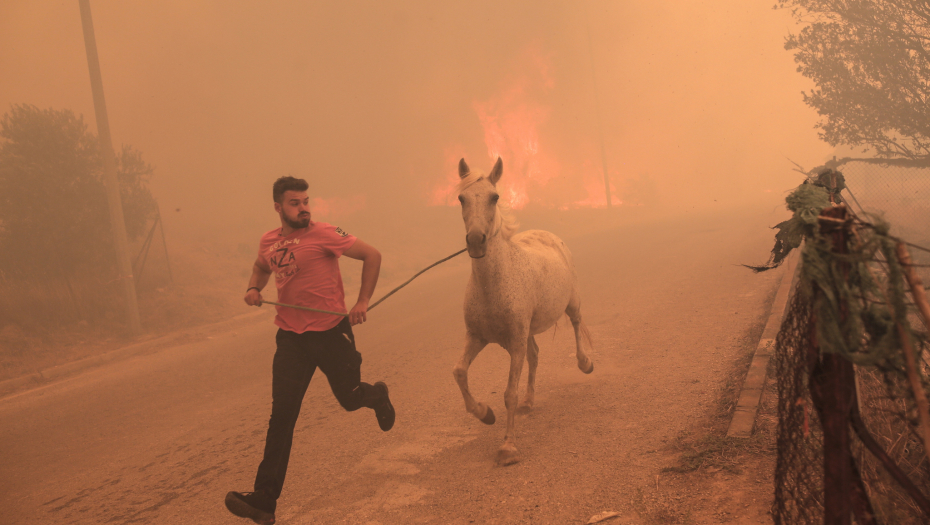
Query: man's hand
{"points": [[359, 313], [253, 297]]}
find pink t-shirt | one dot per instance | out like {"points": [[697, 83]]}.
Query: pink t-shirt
{"points": [[305, 265]]}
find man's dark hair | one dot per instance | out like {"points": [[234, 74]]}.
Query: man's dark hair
{"points": [[287, 184]]}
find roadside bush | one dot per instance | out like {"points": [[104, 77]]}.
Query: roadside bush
{"points": [[57, 256]]}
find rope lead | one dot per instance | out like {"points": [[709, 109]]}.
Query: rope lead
{"points": [[379, 301]]}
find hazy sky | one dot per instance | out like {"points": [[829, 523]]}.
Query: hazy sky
{"points": [[373, 102]]}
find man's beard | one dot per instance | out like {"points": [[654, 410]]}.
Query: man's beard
{"points": [[299, 223]]}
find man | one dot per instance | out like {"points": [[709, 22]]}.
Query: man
{"points": [[304, 257]]}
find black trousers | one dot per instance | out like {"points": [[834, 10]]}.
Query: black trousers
{"points": [[297, 357]]}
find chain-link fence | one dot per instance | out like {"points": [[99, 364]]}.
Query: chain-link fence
{"points": [[850, 443], [899, 194], [881, 454]]}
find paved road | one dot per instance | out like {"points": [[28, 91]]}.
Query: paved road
{"points": [[161, 438]]}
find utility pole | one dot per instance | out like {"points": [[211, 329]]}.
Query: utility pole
{"points": [[597, 111], [117, 220]]}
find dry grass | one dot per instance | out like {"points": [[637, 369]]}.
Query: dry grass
{"points": [[661, 507], [885, 414]]}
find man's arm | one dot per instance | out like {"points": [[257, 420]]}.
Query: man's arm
{"points": [[371, 268], [260, 274]]}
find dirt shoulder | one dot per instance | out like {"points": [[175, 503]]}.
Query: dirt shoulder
{"points": [[713, 478]]}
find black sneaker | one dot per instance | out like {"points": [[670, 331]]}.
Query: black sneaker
{"points": [[384, 410], [256, 506]]}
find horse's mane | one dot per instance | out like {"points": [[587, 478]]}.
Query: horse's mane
{"points": [[509, 223]]}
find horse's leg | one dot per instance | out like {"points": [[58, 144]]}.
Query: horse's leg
{"points": [[473, 345], [581, 332], [532, 359], [507, 454]]}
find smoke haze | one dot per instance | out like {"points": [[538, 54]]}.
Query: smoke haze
{"points": [[374, 103]]}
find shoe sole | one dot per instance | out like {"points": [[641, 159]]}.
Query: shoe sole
{"points": [[383, 385], [244, 510]]}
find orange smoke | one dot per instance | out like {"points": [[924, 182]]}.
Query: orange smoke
{"points": [[337, 208], [444, 194], [593, 181]]}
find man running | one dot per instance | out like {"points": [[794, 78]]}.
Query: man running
{"points": [[304, 257]]}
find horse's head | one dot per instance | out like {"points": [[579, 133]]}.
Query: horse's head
{"points": [[479, 198]]}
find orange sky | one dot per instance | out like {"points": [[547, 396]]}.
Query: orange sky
{"points": [[373, 102]]}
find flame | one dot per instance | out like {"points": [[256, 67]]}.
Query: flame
{"points": [[511, 121], [336, 207], [511, 131]]}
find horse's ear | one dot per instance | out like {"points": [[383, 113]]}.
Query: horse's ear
{"points": [[496, 172], [463, 169]]}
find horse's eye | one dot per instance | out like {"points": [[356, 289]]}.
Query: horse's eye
{"points": [[461, 200], [495, 197]]}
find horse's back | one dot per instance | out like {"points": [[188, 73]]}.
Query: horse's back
{"points": [[544, 244]]}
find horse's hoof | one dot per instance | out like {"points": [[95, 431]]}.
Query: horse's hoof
{"points": [[507, 455], [524, 408], [489, 418], [589, 369]]}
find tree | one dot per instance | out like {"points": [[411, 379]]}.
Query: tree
{"points": [[53, 208], [870, 61]]}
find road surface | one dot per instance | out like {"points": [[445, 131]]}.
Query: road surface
{"points": [[161, 438]]}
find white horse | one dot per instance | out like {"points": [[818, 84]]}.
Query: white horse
{"points": [[520, 285]]}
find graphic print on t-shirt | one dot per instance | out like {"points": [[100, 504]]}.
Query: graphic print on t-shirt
{"points": [[282, 260]]}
